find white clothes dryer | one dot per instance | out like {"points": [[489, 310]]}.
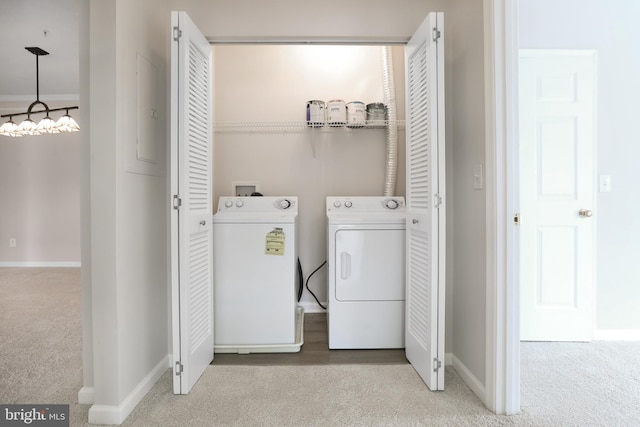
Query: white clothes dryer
{"points": [[255, 268], [366, 272]]}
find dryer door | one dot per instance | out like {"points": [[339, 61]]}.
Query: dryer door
{"points": [[369, 265]]}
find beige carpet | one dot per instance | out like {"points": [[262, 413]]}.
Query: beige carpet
{"points": [[563, 384], [581, 384], [40, 335], [328, 395]]}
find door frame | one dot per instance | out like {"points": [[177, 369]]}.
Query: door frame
{"points": [[502, 369]]}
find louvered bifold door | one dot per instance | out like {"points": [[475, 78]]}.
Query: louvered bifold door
{"points": [[424, 337], [191, 108]]}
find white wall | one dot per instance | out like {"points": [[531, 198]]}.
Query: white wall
{"points": [[271, 83], [611, 28], [129, 206], [466, 117], [40, 193], [224, 20]]}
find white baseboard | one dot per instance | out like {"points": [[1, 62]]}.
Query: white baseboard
{"points": [[40, 264], [114, 415], [476, 386], [448, 359], [85, 395], [312, 307], [616, 335]]}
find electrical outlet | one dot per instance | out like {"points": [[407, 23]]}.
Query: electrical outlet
{"points": [[12, 242]]}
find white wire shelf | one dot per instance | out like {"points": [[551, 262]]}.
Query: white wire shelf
{"points": [[291, 127]]}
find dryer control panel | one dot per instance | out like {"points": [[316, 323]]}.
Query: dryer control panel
{"points": [[374, 204]]}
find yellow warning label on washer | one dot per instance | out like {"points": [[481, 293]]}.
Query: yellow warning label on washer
{"points": [[275, 242]]}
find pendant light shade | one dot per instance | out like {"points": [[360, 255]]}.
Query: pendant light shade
{"points": [[9, 129], [27, 127], [67, 124], [47, 124]]}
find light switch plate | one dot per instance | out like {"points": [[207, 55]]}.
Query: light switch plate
{"points": [[477, 177], [605, 183]]}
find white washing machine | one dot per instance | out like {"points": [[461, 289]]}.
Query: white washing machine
{"points": [[255, 268], [366, 279]]}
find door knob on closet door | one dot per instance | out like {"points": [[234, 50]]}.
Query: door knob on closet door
{"points": [[585, 213], [203, 222], [414, 221]]}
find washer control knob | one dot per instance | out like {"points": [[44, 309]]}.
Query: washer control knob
{"points": [[285, 204], [348, 204], [239, 203], [337, 203], [391, 204], [228, 203]]}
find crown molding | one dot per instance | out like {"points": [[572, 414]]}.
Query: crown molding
{"points": [[44, 98]]}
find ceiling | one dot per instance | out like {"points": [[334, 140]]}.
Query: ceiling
{"points": [[49, 24]]}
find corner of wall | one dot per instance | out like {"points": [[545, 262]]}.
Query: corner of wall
{"points": [[116, 414], [86, 396], [474, 384]]}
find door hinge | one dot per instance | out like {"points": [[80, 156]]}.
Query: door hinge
{"points": [[437, 364], [179, 368], [516, 219], [437, 200], [177, 33], [436, 34], [177, 202]]}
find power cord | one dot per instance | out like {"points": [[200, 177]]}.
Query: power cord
{"points": [[307, 285], [300, 280]]}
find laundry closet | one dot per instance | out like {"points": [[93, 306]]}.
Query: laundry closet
{"points": [[256, 97], [261, 140]]}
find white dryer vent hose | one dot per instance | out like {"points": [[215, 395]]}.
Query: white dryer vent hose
{"points": [[391, 171]]}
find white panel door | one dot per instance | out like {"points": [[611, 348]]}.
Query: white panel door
{"points": [[191, 229], [425, 238], [556, 183]]}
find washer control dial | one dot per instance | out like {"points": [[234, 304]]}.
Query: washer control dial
{"points": [[337, 203], [228, 203], [239, 203], [348, 204], [284, 204], [391, 204]]}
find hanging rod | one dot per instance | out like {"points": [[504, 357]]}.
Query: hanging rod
{"points": [[26, 113]]}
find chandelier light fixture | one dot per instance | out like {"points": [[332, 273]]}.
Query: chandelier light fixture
{"points": [[45, 125]]}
